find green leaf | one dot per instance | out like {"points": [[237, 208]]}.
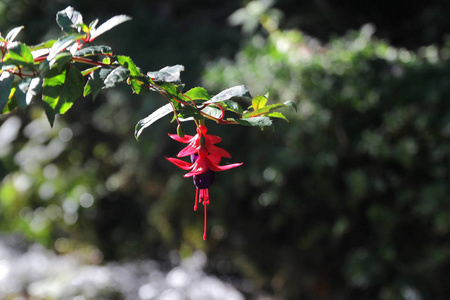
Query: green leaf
{"points": [[12, 34], [62, 44], [96, 81], [93, 50], [187, 112], [114, 21], [129, 64], [60, 60], [170, 88], [140, 84], [197, 93], [27, 88], [82, 28], [42, 46], [116, 76], [291, 104], [259, 102], [89, 70], [153, 117], [266, 109], [93, 24], [6, 82], [7, 65], [67, 18], [224, 98], [277, 114], [11, 105], [167, 74], [60, 90], [236, 91], [232, 106], [213, 111], [175, 91], [256, 121], [20, 52]]}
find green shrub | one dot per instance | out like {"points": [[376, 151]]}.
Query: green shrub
{"points": [[352, 200]]}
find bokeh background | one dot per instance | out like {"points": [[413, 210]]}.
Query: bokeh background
{"points": [[349, 200]]}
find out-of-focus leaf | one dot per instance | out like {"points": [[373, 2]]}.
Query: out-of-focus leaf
{"points": [[153, 117]]}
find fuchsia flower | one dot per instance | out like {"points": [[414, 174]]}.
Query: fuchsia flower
{"points": [[205, 159]]}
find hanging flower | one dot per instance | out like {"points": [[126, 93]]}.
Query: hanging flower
{"points": [[205, 159]]}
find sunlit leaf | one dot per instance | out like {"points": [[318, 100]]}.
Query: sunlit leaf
{"points": [[256, 121], [140, 84], [93, 50], [116, 76], [60, 60], [9, 64], [197, 93], [153, 117], [232, 106], [6, 81], [266, 109], [62, 44], [167, 74], [129, 64], [89, 70], [277, 114], [93, 24], [12, 34], [43, 45], [67, 18], [27, 88], [259, 102], [20, 52], [114, 21], [212, 111], [96, 81], [236, 91], [60, 90]]}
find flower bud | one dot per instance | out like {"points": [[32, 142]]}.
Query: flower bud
{"points": [[180, 131]]}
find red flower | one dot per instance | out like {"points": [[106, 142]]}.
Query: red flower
{"points": [[205, 158]]}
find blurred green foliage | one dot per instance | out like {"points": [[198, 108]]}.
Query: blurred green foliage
{"points": [[350, 200]]}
